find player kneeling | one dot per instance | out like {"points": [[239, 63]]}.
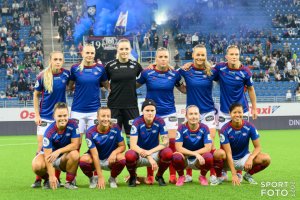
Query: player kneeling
{"points": [[193, 145], [60, 149], [146, 150], [106, 145], [234, 138]]}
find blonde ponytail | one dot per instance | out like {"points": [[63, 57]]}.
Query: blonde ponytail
{"points": [[48, 79], [48, 74]]}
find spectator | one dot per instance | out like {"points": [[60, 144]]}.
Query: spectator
{"points": [[155, 41], [188, 55], [298, 94], [177, 59], [195, 39], [73, 52], [288, 95], [165, 40], [256, 64]]}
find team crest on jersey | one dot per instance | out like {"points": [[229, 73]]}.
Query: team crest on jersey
{"points": [[208, 137], [68, 134], [37, 84], [131, 67], [46, 142], [63, 80], [165, 129], [96, 73], [244, 134], [133, 130], [222, 138], [177, 135], [237, 78], [89, 142], [111, 137], [169, 77]]}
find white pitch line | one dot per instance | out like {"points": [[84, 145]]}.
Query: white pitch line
{"points": [[3, 145]]}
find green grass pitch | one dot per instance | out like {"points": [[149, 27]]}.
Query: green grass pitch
{"points": [[16, 176]]}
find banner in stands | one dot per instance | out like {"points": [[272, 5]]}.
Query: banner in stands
{"points": [[106, 46], [272, 116]]}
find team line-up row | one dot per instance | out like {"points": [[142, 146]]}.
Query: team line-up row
{"points": [[122, 76]]}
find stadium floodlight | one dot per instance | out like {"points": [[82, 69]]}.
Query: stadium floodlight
{"points": [[160, 18]]}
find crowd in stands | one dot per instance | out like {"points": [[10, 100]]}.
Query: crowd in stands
{"points": [[66, 14], [21, 47]]}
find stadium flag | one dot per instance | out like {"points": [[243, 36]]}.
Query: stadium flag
{"points": [[121, 23], [91, 10]]}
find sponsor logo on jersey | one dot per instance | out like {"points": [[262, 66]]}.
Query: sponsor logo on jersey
{"points": [[209, 118], [123, 66], [221, 119], [116, 67], [43, 124], [111, 137], [173, 119], [244, 134], [237, 78], [68, 134], [96, 73], [131, 67], [46, 142], [113, 120]]}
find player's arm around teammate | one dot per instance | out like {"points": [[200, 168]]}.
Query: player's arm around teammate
{"points": [[106, 146]]}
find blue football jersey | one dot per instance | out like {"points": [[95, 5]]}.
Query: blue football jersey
{"points": [[238, 138], [232, 86], [160, 88], [199, 88], [148, 137], [58, 94], [193, 140], [106, 142], [87, 87], [53, 139]]}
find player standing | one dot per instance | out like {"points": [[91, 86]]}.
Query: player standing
{"points": [[88, 77]]}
